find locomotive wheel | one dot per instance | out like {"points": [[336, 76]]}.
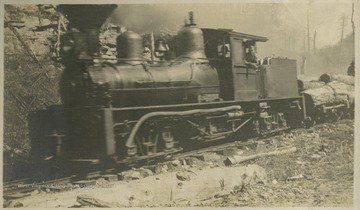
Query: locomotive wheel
{"points": [[268, 124], [151, 141], [147, 145]]}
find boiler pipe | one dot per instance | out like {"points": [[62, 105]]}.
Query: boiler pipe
{"points": [[130, 141]]}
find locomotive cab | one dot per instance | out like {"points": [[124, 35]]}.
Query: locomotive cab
{"points": [[241, 79], [227, 49]]}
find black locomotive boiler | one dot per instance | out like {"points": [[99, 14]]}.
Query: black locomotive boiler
{"points": [[129, 109]]}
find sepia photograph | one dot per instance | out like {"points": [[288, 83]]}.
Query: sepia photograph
{"points": [[156, 104]]}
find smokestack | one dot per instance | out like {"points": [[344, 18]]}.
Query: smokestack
{"points": [[87, 19]]}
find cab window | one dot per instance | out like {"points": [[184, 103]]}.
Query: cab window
{"points": [[224, 50]]}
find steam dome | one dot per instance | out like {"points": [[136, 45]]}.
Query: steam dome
{"points": [[129, 46], [190, 40]]}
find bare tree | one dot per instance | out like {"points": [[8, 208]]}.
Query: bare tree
{"points": [[352, 22], [343, 22], [314, 42], [304, 42], [308, 24], [308, 28]]}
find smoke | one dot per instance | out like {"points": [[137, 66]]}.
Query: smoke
{"points": [[269, 20], [284, 24], [146, 18], [154, 17]]}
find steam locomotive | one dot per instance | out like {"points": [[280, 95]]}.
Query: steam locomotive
{"points": [[130, 109]]}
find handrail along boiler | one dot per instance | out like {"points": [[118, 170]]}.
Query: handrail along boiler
{"points": [[133, 109]]}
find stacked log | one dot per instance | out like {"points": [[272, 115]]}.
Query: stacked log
{"points": [[332, 93], [320, 95], [304, 85], [304, 77], [337, 77], [341, 88], [329, 90]]}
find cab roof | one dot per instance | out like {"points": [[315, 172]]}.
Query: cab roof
{"points": [[230, 32]]}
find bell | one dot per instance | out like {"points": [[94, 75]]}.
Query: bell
{"points": [[161, 46]]}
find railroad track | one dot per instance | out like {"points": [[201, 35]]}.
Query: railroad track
{"points": [[23, 187]]}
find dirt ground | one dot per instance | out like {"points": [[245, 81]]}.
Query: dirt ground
{"points": [[319, 174]]}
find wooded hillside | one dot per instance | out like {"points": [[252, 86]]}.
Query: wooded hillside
{"points": [[30, 70]]}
